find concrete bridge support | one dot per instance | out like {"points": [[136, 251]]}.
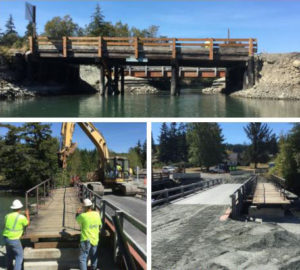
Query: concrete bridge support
{"points": [[174, 81]]}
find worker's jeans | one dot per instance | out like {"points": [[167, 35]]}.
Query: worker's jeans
{"points": [[87, 250], [14, 250]]}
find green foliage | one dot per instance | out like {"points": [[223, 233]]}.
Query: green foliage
{"points": [[172, 146], [10, 26], [263, 142], [97, 27], [28, 155], [61, 26], [206, 146], [137, 155], [287, 162]]}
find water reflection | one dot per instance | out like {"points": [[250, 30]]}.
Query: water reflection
{"points": [[189, 104]]}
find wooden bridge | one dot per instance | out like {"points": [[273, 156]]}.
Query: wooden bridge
{"points": [[53, 235], [115, 53]]}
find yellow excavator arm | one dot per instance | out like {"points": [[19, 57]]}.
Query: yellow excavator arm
{"points": [[67, 147]]}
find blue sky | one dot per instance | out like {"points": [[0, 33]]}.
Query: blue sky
{"points": [[119, 136], [234, 132], [275, 23]]}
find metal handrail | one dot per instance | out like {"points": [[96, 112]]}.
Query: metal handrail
{"points": [[47, 186], [193, 188], [102, 205]]}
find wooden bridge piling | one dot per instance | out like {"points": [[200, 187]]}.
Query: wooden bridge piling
{"points": [[101, 80], [122, 81], [174, 81]]}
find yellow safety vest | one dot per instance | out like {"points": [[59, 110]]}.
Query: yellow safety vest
{"points": [[14, 225], [90, 223]]}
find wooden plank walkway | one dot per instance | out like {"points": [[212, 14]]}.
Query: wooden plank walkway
{"points": [[57, 217], [268, 193]]}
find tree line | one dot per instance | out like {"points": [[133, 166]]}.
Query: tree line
{"points": [[202, 144], [58, 27], [28, 156]]}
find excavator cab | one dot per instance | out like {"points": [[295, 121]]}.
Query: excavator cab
{"points": [[117, 169]]}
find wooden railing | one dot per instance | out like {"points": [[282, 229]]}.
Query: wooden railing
{"points": [[211, 44], [108, 210], [166, 195], [240, 195]]}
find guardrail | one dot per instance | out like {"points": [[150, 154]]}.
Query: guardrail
{"points": [[108, 211], [44, 188], [240, 195], [101, 43], [165, 195], [160, 176]]}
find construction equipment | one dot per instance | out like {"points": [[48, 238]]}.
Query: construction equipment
{"points": [[112, 172]]}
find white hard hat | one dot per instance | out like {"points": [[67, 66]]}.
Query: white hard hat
{"points": [[87, 202], [16, 205]]}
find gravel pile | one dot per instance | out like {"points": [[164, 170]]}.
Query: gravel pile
{"points": [[279, 77]]}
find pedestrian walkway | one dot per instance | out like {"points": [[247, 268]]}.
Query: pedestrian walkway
{"points": [[268, 193]]}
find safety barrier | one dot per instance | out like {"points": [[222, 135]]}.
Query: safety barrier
{"points": [[108, 211], [136, 44], [41, 191], [166, 195], [241, 194]]}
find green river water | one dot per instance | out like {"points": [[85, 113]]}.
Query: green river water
{"points": [[190, 104]]}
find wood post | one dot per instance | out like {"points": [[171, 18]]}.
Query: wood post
{"points": [[64, 46], [31, 44], [136, 47], [101, 81], [100, 47], [211, 49], [122, 88], [109, 81], [250, 46], [174, 48], [174, 80]]}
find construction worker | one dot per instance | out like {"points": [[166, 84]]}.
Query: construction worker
{"points": [[119, 170], [14, 226], [90, 224]]}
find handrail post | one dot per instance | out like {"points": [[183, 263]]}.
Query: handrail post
{"points": [[100, 47], [65, 47], [211, 49], [250, 46], [31, 44], [233, 206], [26, 200], [136, 47]]}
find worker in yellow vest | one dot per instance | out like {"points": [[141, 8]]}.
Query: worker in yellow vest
{"points": [[119, 170], [90, 225], [14, 226]]}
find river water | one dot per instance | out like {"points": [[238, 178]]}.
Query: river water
{"points": [[190, 104]]}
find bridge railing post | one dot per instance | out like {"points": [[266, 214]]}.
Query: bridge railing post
{"points": [[250, 46], [174, 48], [136, 47], [211, 49], [233, 206], [65, 39], [100, 46]]}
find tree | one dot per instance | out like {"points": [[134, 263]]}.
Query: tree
{"points": [[10, 26], [205, 144], [163, 144], [59, 27], [260, 136], [29, 30], [28, 155], [97, 27]]}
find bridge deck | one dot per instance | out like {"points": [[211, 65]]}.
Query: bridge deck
{"points": [[57, 217], [268, 193]]}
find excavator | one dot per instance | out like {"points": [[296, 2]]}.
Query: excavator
{"points": [[112, 172]]}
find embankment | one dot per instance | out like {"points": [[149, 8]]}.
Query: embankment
{"points": [[277, 77]]}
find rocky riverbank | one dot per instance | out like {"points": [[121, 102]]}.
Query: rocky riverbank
{"points": [[278, 77]]}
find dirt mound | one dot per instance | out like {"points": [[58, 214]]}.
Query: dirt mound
{"points": [[278, 77]]}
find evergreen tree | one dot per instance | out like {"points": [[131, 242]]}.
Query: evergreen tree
{"points": [[29, 30], [10, 26], [163, 144], [206, 146], [260, 136], [97, 27]]}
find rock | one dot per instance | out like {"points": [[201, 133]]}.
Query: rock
{"points": [[296, 64]]}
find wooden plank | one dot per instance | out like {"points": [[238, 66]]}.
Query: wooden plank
{"points": [[157, 44], [31, 47], [118, 44], [192, 44], [250, 47], [41, 245]]}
